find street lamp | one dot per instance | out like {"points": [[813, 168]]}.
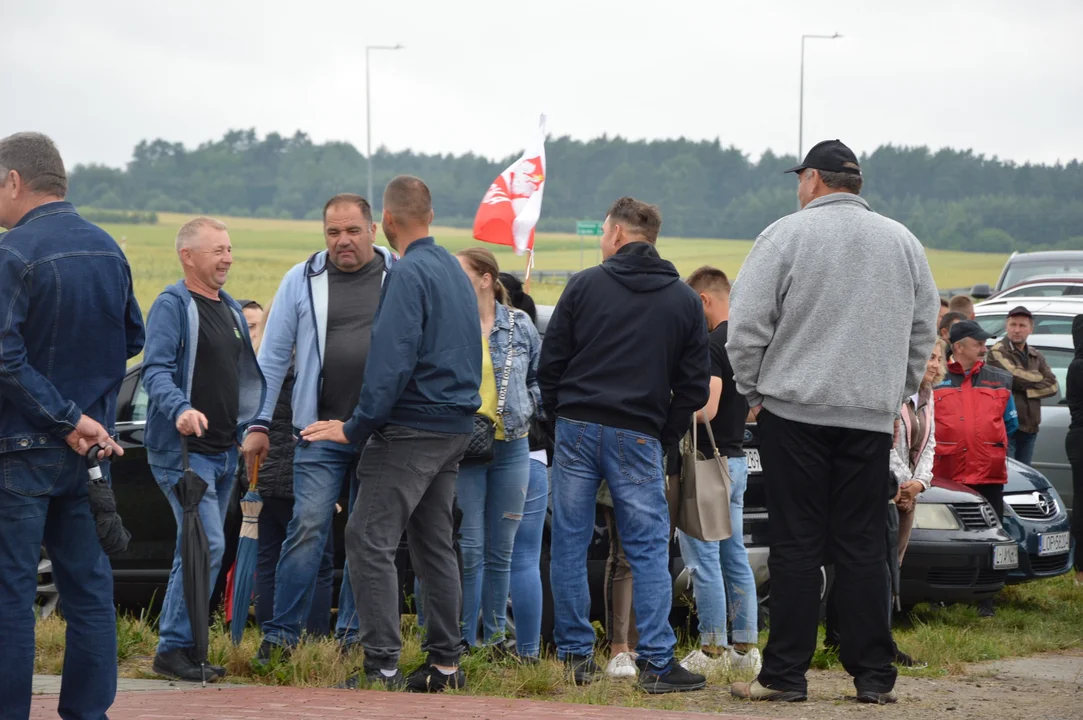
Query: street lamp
{"points": [[368, 111], [801, 106]]}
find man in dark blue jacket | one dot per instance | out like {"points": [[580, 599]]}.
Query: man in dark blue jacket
{"points": [[624, 365], [414, 418], [204, 388], [68, 325]]}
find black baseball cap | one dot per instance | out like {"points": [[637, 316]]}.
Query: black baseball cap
{"points": [[830, 156], [1016, 312], [968, 329]]}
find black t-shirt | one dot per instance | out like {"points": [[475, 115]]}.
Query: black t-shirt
{"points": [[352, 299], [729, 422], [216, 389]]}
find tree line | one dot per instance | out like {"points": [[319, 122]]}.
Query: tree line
{"points": [[952, 199]]}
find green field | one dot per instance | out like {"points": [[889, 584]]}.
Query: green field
{"points": [[264, 249]]}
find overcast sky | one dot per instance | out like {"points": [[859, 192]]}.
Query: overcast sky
{"points": [[1000, 76]]}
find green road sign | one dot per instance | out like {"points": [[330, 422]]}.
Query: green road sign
{"points": [[588, 228]]}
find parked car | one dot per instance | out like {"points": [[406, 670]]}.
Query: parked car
{"points": [[1037, 519], [1051, 316], [1065, 285], [1024, 266]]}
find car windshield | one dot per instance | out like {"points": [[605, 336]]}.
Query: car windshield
{"points": [[1043, 324], [1058, 359], [1021, 270]]}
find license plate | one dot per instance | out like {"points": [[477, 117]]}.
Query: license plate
{"points": [[1054, 543], [752, 455], [1005, 557]]}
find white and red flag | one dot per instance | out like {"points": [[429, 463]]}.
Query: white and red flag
{"points": [[512, 204]]}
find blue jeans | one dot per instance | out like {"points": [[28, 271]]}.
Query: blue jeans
{"points": [[1021, 446], [632, 464], [43, 498], [219, 471], [274, 518], [319, 469], [526, 585], [491, 498], [720, 570]]}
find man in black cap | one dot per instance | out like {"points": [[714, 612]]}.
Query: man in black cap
{"points": [[1032, 380], [826, 445], [975, 415]]}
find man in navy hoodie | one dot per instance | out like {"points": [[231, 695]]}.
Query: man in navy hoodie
{"points": [[414, 418], [624, 365], [203, 387]]}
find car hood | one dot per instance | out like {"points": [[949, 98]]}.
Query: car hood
{"points": [[1021, 479], [948, 491]]}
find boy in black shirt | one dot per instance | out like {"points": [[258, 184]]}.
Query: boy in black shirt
{"points": [[721, 569]]}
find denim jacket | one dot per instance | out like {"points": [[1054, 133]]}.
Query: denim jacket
{"points": [[524, 396], [168, 367], [69, 323]]}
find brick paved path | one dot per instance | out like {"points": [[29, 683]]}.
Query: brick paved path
{"points": [[272, 703]]}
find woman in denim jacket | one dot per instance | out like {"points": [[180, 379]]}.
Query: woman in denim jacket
{"points": [[492, 496]]}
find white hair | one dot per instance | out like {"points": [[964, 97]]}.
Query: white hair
{"points": [[188, 233]]}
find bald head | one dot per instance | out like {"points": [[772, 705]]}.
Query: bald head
{"points": [[407, 211]]}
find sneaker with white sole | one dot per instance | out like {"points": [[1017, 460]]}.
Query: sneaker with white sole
{"points": [[622, 665], [751, 660], [700, 662]]}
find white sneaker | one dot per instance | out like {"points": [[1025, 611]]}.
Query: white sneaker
{"points": [[700, 662], [751, 660], [622, 665]]}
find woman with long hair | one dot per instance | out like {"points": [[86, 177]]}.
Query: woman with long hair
{"points": [[492, 494]]}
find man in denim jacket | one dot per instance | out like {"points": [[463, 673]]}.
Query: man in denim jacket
{"points": [[204, 387], [68, 324]]}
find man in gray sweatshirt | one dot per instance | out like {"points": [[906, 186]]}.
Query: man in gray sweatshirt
{"points": [[827, 374]]}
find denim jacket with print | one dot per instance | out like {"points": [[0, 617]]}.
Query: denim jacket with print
{"points": [[524, 396]]}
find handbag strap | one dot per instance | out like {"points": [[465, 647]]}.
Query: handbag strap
{"points": [[503, 396], [710, 435]]}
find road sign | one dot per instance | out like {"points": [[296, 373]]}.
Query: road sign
{"points": [[584, 227]]}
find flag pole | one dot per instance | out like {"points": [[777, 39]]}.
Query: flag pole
{"points": [[529, 267]]}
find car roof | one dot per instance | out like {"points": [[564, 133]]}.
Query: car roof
{"points": [[1046, 306]]}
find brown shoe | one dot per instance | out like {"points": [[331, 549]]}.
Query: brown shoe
{"points": [[755, 691]]}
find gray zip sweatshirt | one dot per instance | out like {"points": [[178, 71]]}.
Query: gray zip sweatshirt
{"points": [[833, 316]]}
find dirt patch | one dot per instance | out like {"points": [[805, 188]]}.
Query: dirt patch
{"points": [[1045, 687]]}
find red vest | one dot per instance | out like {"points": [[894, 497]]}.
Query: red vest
{"points": [[971, 440]]}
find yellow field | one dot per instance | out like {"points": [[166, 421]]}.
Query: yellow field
{"points": [[265, 249]]}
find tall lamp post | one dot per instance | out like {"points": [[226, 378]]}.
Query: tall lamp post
{"points": [[368, 110], [801, 105]]}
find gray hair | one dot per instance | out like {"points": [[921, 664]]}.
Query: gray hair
{"points": [[35, 157], [842, 181], [188, 233]]}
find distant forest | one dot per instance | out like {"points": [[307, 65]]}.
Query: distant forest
{"points": [[951, 199]]}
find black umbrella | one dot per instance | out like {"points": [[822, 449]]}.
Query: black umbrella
{"points": [[103, 506], [195, 558]]}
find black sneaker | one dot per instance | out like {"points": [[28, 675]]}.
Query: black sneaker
{"points": [[216, 669], [177, 665], [428, 679], [986, 608], [373, 678], [268, 652], [871, 697], [670, 679], [583, 669]]}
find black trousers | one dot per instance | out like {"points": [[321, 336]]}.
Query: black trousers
{"points": [[994, 494], [825, 491], [1073, 445]]}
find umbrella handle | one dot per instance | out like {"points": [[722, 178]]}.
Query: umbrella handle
{"points": [[255, 477], [93, 467]]}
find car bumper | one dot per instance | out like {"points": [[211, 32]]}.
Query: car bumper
{"points": [[950, 571]]}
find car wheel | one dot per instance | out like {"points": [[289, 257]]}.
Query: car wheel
{"points": [[47, 599]]}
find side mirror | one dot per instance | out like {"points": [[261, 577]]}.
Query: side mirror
{"points": [[981, 292]]}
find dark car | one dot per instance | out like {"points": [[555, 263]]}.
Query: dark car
{"points": [[1037, 519]]}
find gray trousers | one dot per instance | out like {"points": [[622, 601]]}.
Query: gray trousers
{"points": [[407, 483]]}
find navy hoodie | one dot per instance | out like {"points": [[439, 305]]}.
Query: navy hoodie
{"points": [[626, 347], [1073, 387]]}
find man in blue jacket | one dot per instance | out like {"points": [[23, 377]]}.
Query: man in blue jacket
{"points": [[68, 325], [322, 315], [203, 387], [413, 420]]}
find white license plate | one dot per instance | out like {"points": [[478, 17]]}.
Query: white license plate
{"points": [[1054, 543], [1005, 557], [753, 457]]}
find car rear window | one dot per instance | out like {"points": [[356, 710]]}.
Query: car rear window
{"points": [[1044, 290], [1019, 270]]}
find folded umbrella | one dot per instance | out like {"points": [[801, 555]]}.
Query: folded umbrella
{"points": [[195, 558], [244, 572], [103, 506]]}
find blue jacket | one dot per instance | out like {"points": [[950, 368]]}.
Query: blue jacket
{"points": [[524, 398], [424, 368], [298, 320], [69, 322], [168, 366]]}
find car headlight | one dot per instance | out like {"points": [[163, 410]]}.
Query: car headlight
{"points": [[931, 516]]}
